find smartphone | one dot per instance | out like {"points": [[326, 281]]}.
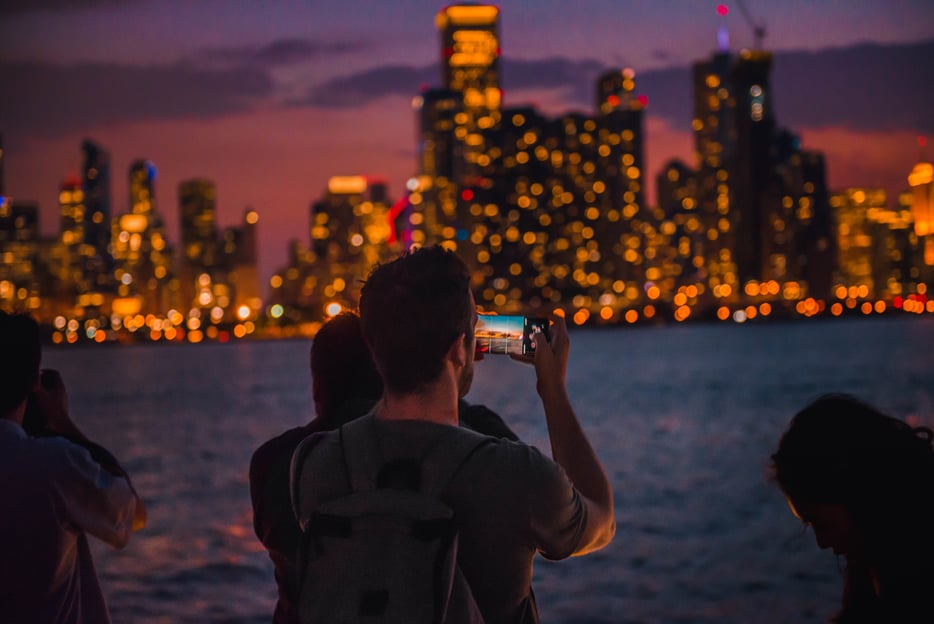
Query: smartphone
{"points": [[508, 334]]}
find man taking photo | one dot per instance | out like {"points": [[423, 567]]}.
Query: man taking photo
{"points": [[56, 487], [509, 500]]}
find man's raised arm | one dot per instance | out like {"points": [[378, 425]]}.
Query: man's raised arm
{"points": [[569, 445]]}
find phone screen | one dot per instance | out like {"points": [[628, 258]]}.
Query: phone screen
{"points": [[508, 334]]}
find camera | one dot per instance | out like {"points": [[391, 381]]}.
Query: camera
{"points": [[510, 335], [34, 421]]}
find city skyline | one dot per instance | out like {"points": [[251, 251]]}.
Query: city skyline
{"points": [[283, 205]]}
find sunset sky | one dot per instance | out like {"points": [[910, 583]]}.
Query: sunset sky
{"points": [[270, 98]]}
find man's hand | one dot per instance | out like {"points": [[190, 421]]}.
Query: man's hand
{"points": [[52, 400], [551, 358]]}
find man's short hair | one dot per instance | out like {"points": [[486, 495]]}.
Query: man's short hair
{"points": [[341, 367], [20, 356], [412, 309]]}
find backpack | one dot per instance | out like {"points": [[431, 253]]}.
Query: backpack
{"points": [[382, 554]]}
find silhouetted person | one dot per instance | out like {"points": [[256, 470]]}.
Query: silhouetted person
{"points": [[864, 482], [510, 502], [54, 491], [345, 385]]}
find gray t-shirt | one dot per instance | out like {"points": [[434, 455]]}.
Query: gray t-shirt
{"points": [[509, 501]]}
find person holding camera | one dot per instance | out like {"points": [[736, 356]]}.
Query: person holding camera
{"points": [[57, 487], [509, 501]]}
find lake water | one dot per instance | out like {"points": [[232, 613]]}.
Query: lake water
{"points": [[684, 419]]}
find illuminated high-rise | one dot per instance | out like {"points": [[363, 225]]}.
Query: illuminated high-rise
{"points": [[352, 227], [72, 253], [715, 143], [440, 163], [95, 183], [239, 250], [680, 223], [197, 203], [20, 271], [142, 256], [752, 164], [855, 210], [470, 51], [198, 222], [921, 182]]}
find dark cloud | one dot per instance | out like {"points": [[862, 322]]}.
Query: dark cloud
{"points": [[359, 88], [45, 100], [862, 87], [866, 86], [14, 7], [575, 77], [280, 53]]}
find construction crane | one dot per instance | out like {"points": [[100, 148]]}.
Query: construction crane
{"points": [[758, 29]]}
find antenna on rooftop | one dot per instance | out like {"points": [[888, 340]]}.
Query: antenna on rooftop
{"points": [[758, 29]]}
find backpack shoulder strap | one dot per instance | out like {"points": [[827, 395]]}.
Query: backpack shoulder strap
{"points": [[448, 455], [363, 458], [361, 454]]}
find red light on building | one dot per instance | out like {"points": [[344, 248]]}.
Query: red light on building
{"points": [[897, 302], [722, 9], [391, 217], [613, 100], [467, 194], [643, 99]]}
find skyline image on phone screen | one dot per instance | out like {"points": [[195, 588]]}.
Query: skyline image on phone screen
{"points": [[508, 334]]}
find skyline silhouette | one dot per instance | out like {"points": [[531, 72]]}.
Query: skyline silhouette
{"points": [[286, 174]]}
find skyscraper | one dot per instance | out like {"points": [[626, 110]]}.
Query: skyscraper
{"points": [[440, 162], [199, 239], [20, 270], [239, 251], [198, 220], [74, 252], [921, 181], [751, 165], [470, 54], [95, 183], [715, 144], [142, 256], [853, 210], [350, 231]]}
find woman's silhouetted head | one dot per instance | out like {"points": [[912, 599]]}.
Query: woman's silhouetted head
{"points": [[863, 480]]}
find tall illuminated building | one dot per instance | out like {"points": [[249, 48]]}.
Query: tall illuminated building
{"points": [[713, 124], [921, 182], [142, 256], [73, 210], [351, 229], [681, 225], [239, 250], [855, 211], [440, 163], [567, 220], [197, 203], [95, 182], [751, 166], [470, 52], [198, 219]]}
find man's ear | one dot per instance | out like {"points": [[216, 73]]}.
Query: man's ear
{"points": [[457, 352]]}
